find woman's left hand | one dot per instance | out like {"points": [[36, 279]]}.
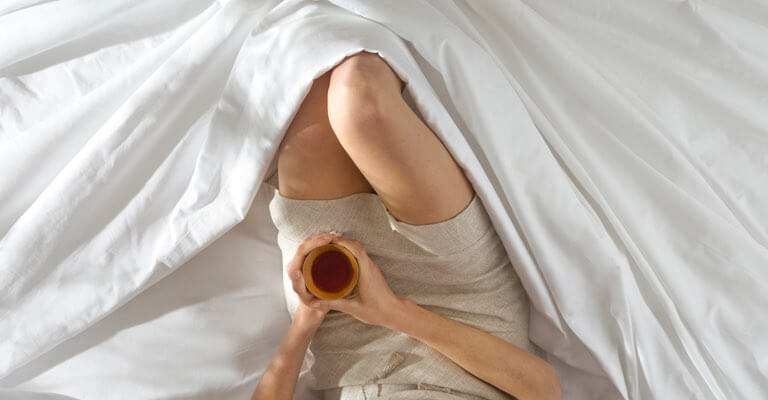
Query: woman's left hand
{"points": [[294, 266], [307, 316]]}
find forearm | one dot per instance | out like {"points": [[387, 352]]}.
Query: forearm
{"points": [[279, 380], [486, 356]]}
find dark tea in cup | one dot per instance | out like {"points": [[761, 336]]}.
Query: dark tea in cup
{"points": [[330, 271]]}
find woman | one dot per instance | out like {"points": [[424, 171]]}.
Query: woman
{"points": [[439, 313]]}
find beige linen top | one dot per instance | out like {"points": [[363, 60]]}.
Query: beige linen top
{"points": [[457, 268]]}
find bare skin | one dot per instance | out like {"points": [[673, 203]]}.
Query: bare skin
{"points": [[354, 133], [311, 164], [368, 139], [279, 379]]}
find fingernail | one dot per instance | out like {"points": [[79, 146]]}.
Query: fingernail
{"points": [[315, 305]]}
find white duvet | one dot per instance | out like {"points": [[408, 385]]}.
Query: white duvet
{"points": [[620, 148]]}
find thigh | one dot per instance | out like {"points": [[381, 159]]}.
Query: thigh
{"points": [[403, 160], [311, 163]]}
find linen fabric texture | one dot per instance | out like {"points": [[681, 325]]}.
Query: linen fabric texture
{"points": [[457, 268]]}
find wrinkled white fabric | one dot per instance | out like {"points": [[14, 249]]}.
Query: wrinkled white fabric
{"points": [[620, 150]]}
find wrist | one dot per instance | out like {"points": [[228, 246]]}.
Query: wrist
{"points": [[304, 321], [398, 314]]}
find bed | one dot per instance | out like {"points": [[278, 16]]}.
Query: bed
{"points": [[619, 148]]}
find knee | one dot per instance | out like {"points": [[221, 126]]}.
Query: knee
{"points": [[362, 90], [364, 71]]}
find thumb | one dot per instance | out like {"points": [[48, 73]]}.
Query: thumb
{"points": [[342, 305]]}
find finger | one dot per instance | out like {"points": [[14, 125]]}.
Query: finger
{"points": [[299, 286], [343, 305], [353, 246], [305, 247], [319, 305], [314, 241]]}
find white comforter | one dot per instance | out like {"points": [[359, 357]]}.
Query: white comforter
{"points": [[621, 149]]}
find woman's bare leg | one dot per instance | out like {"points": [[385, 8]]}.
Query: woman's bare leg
{"points": [[402, 159], [311, 163]]}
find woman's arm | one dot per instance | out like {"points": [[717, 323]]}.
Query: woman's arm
{"points": [[279, 379], [482, 354], [486, 356]]}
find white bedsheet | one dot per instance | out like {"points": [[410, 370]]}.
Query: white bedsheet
{"points": [[619, 148], [207, 331]]}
